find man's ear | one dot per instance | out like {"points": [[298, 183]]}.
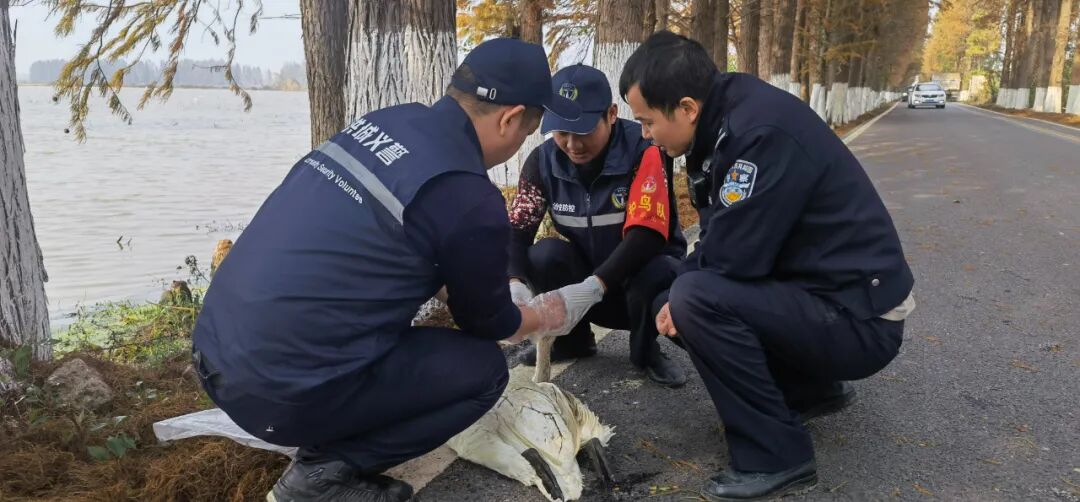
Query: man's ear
{"points": [[509, 115], [612, 114], [691, 108]]}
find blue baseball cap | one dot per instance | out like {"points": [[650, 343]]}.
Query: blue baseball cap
{"points": [[511, 72], [586, 86]]}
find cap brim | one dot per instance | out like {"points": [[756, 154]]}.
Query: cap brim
{"points": [[564, 108], [585, 124]]}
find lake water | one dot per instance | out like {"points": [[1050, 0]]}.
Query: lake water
{"points": [[187, 173]]}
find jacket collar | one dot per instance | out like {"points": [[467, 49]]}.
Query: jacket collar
{"points": [[723, 95], [614, 156], [449, 112]]}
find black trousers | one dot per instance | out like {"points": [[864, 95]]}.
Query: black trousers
{"points": [[765, 347], [555, 263], [434, 384]]}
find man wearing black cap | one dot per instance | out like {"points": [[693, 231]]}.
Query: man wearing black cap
{"points": [[305, 337], [799, 281], [609, 193]]}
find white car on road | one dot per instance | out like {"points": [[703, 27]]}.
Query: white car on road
{"points": [[929, 94]]}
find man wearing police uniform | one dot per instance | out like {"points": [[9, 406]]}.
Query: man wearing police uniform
{"points": [[798, 283], [305, 337], [609, 192]]}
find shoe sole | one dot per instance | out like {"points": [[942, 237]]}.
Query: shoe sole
{"points": [[794, 488]]}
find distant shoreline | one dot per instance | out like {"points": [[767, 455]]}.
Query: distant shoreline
{"points": [[303, 89]]}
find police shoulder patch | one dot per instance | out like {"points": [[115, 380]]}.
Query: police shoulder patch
{"points": [[738, 182]]}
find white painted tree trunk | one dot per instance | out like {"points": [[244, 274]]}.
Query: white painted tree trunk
{"points": [[1040, 98], [24, 314], [818, 99], [1021, 98], [1073, 105], [1052, 101], [610, 58], [398, 52]]}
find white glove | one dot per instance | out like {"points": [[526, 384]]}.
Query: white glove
{"points": [[562, 309], [520, 294]]}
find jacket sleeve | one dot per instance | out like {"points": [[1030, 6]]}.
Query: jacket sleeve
{"points": [[757, 199]]}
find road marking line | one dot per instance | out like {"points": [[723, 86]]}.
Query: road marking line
{"points": [[861, 129], [420, 471], [1012, 119]]}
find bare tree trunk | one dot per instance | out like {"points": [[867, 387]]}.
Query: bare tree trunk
{"points": [[797, 47], [1005, 87], [398, 52], [783, 32], [325, 27], [618, 33], [1052, 104], [1073, 104], [815, 23], [720, 34], [766, 39], [703, 24], [663, 12], [1046, 28], [532, 21], [24, 314], [1028, 54], [749, 31]]}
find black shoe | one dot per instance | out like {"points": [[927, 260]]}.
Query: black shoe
{"points": [[841, 398], [559, 354], [735, 485], [326, 480], [666, 372]]}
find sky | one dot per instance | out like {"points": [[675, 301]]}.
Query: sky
{"points": [[277, 41]]}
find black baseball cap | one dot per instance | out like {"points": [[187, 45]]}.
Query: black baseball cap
{"points": [[586, 86], [511, 72]]}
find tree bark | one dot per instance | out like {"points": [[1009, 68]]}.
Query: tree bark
{"points": [[1028, 54], [720, 34], [1048, 15], [1057, 65], [532, 21], [618, 33], [783, 33], [749, 31], [398, 52], [815, 23], [325, 27], [1004, 88], [663, 12], [24, 314], [703, 24], [766, 39], [797, 50]]}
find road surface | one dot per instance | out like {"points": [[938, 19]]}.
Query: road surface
{"points": [[983, 402]]}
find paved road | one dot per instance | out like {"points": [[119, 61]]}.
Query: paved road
{"points": [[983, 402]]}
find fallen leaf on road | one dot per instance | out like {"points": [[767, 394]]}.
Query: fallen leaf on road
{"points": [[1016, 363], [922, 490], [837, 487], [933, 339], [1022, 428], [968, 267], [679, 464], [992, 461], [896, 492]]}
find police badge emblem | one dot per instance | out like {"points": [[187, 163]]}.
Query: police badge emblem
{"points": [[738, 182], [619, 196]]}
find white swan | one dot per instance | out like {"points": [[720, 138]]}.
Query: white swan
{"points": [[534, 433]]}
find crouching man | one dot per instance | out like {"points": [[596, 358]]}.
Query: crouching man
{"points": [[609, 193], [305, 337]]}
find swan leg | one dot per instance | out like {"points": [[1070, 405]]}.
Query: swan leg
{"points": [[595, 451], [543, 470]]}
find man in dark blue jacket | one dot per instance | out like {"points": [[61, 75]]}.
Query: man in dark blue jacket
{"points": [[798, 283], [609, 193], [305, 336]]}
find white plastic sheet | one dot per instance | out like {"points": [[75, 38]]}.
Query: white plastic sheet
{"points": [[212, 423]]}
